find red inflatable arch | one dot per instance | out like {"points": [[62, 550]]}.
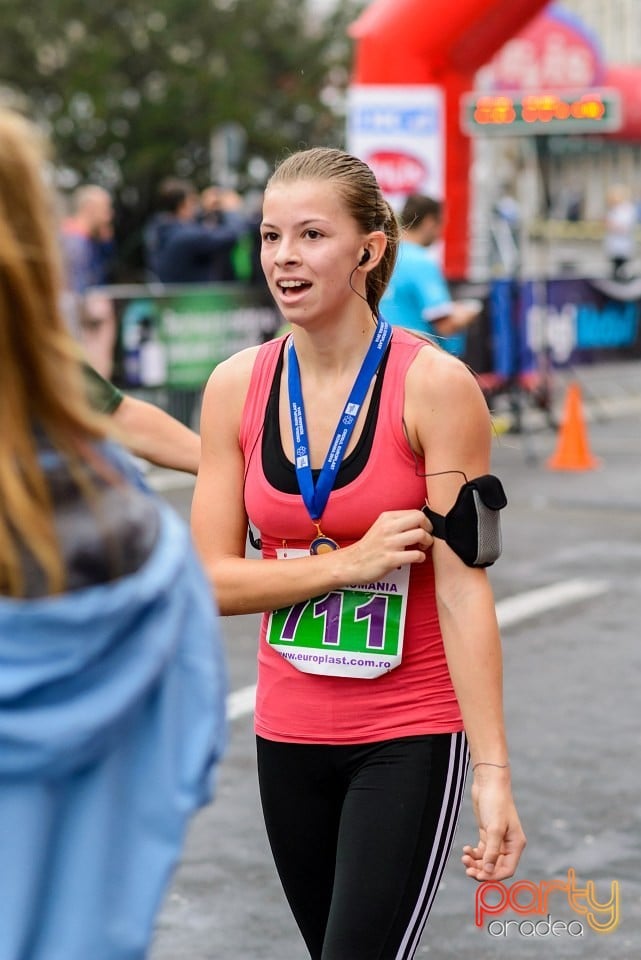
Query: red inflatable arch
{"points": [[441, 42]]}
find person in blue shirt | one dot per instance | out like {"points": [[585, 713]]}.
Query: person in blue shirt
{"points": [[418, 297]]}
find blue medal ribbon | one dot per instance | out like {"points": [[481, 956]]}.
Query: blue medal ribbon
{"points": [[315, 497]]}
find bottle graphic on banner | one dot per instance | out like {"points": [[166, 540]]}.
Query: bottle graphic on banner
{"points": [[152, 355], [144, 354]]}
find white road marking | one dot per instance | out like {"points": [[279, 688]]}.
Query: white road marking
{"points": [[511, 611], [241, 702]]}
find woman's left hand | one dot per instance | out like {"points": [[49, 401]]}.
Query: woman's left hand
{"points": [[501, 837]]}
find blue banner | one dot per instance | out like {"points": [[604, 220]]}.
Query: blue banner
{"points": [[566, 321]]}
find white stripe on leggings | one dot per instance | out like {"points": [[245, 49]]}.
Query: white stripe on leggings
{"points": [[448, 819]]}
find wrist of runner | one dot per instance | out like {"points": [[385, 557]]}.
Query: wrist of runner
{"points": [[351, 567], [503, 764], [491, 770]]}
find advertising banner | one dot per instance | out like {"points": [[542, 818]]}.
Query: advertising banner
{"points": [[399, 132], [567, 320], [174, 336]]}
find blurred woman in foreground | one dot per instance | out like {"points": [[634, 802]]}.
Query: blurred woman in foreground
{"points": [[111, 684]]}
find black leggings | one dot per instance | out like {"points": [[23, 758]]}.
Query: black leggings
{"points": [[360, 836]]}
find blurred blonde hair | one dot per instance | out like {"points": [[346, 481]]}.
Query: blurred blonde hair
{"points": [[41, 386]]}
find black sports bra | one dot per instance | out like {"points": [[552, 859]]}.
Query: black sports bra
{"points": [[280, 471]]}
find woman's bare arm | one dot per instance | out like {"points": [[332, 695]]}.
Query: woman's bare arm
{"points": [[448, 420]]}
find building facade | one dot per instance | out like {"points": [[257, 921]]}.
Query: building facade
{"points": [[559, 182]]}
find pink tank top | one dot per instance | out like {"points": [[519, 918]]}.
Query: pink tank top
{"points": [[415, 698]]}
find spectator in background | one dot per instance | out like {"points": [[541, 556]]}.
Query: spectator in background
{"points": [[505, 233], [178, 247], [620, 227], [181, 248], [418, 297], [87, 242], [87, 238], [223, 207]]}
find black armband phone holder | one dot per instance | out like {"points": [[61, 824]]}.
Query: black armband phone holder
{"points": [[472, 528]]}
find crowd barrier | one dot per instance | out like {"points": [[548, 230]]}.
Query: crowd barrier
{"points": [[172, 337], [557, 322]]}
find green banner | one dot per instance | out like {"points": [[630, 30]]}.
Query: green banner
{"points": [[174, 337]]}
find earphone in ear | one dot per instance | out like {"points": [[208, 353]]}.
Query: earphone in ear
{"points": [[364, 258]]}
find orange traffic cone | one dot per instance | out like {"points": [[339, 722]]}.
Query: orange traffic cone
{"points": [[573, 448]]}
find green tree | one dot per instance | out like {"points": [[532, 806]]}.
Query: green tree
{"points": [[132, 91]]}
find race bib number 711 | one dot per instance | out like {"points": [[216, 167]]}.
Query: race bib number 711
{"points": [[353, 632]]}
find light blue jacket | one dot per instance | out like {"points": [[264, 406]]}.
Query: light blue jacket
{"points": [[111, 721]]}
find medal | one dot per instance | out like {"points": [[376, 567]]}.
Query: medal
{"points": [[316, 495], [321, 543]]}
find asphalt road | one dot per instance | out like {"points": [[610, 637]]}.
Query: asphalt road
{"points": [[572, 678]]}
